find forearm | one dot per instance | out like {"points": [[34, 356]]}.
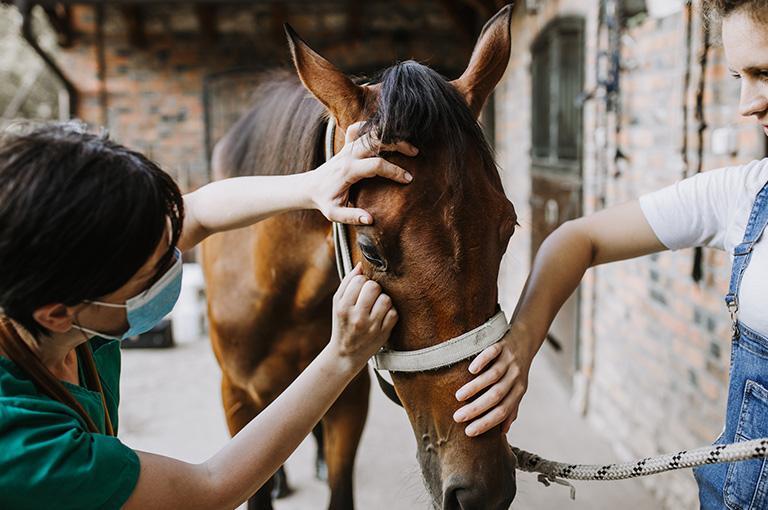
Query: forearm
{"points": [[618, 233], [241, 201], [557, 270], [260, 448], [239, 469]]}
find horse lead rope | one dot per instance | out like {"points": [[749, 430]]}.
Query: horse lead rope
{"points": [[558, 472]]}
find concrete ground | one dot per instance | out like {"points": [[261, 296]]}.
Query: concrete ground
{"points": [[171, 405]]}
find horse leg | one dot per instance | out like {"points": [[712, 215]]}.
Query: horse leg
{"points": [[321, 468], [240, 410], [342, 428]]}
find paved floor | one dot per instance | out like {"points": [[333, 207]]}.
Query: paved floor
{"points": [[171, 405]]}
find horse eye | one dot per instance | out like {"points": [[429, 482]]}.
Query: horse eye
{"points": [[370, 253]]}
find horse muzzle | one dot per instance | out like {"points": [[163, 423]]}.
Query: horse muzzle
{"points": [[464, 495]]}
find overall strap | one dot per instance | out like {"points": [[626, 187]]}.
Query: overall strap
{"points": [[93, 381], [742, 253]]}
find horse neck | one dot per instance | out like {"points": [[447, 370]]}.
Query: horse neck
{"points": [[281, 133]]}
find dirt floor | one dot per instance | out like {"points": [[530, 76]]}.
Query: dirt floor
{"points": [[171, 405]]}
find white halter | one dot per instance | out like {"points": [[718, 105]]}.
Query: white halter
{"points": [[437, 356]]}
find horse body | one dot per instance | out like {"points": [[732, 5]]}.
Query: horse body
{"points": [[270, 286], [435, 248]]}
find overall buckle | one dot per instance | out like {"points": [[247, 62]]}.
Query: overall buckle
{"points": [[733, 309]]}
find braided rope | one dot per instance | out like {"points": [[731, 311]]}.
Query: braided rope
{"points": [[557, 472]]}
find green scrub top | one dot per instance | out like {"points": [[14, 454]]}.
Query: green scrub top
{"points": [[48, 459]]}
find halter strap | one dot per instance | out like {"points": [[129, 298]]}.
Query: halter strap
{"points": [[445, 353], [344, 258], [742, 253], [340, 238]]}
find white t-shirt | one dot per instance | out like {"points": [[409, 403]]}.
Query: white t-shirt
{"points": [[712, 209]]}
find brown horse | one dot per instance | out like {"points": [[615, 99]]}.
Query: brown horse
{"points": [[435, 248]]}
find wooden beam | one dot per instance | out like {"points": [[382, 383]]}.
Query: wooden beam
{"points": [[207, 19], [60, 17], [464, 18], [101, 63], [485, 8], [354, 18], [134, 18], [279, 16]]}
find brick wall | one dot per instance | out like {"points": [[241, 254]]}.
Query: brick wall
{"points": [[654, 345], [151, 97]]}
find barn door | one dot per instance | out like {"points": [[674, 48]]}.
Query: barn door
{"points": [[556, 171], [226, 97]]}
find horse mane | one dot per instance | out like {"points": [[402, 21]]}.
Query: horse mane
{"points": [[280, 134], [418, 105]]}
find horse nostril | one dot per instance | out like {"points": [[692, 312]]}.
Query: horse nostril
{"points": [[450, 499], [463, 498], [467, 500]]}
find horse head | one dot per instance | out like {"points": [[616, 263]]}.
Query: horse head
{"points": [[436, 244]]}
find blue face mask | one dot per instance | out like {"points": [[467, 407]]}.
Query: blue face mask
{"points": [[145, 310]]}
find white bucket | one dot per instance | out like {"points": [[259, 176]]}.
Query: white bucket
{"points": [[188, 319]]}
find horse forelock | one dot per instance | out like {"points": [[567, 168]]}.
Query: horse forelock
{"points": [[418, 105]]}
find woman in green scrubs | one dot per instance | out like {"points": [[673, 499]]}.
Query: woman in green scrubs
{"points": [[90, 240]]}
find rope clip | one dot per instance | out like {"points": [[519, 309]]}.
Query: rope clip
{"points": [[548, 480]]}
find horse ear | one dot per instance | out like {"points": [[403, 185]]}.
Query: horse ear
{"points": [[488, 62], [343, 99]]}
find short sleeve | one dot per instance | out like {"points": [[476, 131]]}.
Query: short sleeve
{"points": [[696, 211], [48, 461]]}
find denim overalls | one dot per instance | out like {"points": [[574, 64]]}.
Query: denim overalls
{"points": [[742, 485]]}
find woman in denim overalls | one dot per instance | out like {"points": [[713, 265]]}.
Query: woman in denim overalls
{"points": [[698, 211], [742, 485]]}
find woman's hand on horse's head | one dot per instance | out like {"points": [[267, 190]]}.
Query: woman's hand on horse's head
{"points": [[363, 318], [357, 160], [501, 380]]}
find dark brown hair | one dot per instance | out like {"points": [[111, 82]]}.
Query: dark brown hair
{"points": [[79, 215]]}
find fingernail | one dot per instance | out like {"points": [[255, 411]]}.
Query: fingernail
{"points": [[458, 417], [459, 395], [408, 177], [365, 220], [470, 431], [472, 369]]}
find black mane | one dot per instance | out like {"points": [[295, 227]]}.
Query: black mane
{"points": [[418, 105], [281, 133], [283, 130]]}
